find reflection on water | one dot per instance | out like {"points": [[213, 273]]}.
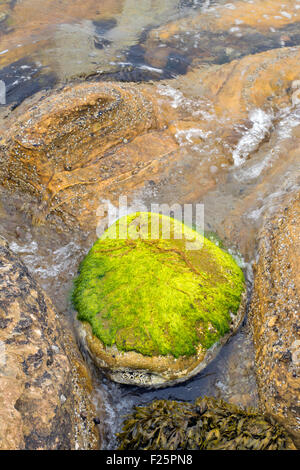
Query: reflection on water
{"points": [[73, 39], [122, 39]]}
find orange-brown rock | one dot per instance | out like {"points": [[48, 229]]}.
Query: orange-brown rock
{"points": [[258, 81], [231, 113], [274, 316], [68, 147], [95, 141], [259, 14], [30, 18], [237, 99], [44, 384]]}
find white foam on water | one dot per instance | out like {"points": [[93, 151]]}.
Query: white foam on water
{"points": [[290, 118], [206, 6], [286, 14], [255, 214], [176, 95], [230, 6], [62, 259], [185, 137], [197, 107], [262, 123], [150, 69], [287, 120], [270, 202], [29, 247], [255, 171]]}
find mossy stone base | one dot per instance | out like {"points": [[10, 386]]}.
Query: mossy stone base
{"points": [[132, 368], [156, 300]]}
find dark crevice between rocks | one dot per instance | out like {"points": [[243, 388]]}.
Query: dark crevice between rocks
{"points": [[102, 26], [23, 79], [12, 4]]}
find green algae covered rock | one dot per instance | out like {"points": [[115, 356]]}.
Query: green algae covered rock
{"points": [[152, 290], [207, 424]]}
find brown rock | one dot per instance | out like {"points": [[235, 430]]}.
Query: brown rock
{"points": [[69, 147], [221, 34], [274, 316], [96, 141], [44, 384], [259, 14], [256, 81]]}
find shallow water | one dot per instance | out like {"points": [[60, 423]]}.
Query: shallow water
{"points": [[42, 45]]}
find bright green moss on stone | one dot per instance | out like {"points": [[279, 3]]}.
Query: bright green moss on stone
{"points": [[153, 295]]}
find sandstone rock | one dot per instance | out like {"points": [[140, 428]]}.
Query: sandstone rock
{"points": [[233, 90], [274, 316], [156, 306], [44, 384], [64, 149], [69, 156]]}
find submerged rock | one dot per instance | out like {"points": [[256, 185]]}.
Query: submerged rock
{"points": [[220, 34], [44, 384], [156, 304], [274, 316], [208, 424]]}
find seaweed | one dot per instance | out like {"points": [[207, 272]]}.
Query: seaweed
{"points": [[207, 424]]}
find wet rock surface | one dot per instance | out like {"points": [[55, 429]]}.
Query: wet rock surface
{"points": [[220, 34], [95, 141], [44, 383], [68, 147], [274, 315]]}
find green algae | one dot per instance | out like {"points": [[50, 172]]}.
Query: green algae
{"points": [[207, 424], [142, 288]]}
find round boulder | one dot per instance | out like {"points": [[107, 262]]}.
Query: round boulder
{"points": [[156, 300]]}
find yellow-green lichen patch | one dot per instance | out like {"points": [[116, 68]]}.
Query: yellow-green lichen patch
{"points": [[152, 285]]}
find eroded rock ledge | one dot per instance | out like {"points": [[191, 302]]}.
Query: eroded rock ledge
{"points": [[63, 148], [44, 384], [274, 317]]}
